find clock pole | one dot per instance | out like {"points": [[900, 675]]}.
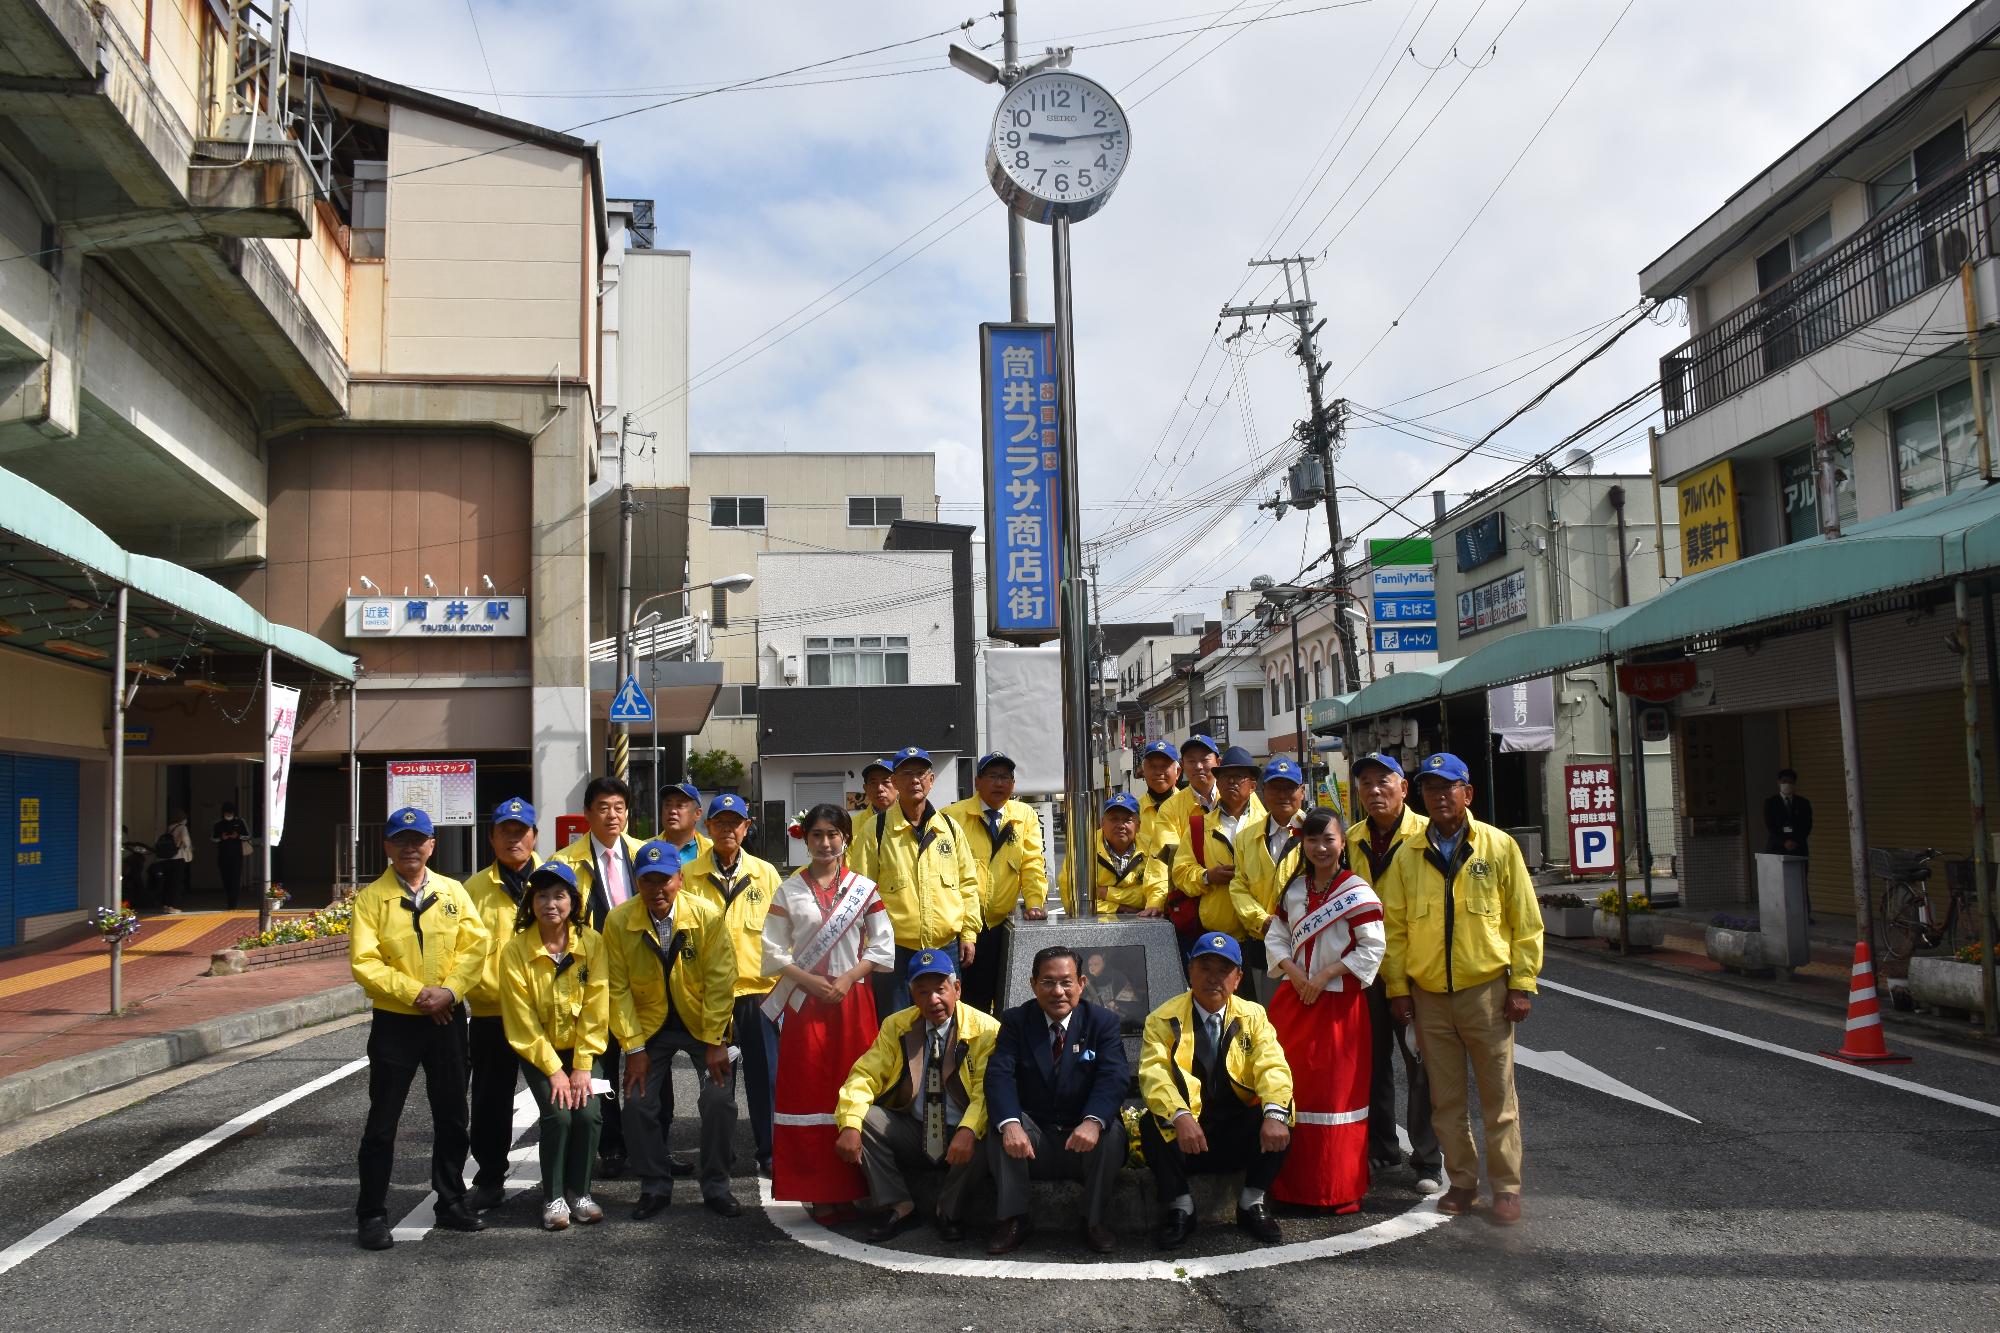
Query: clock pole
{"points": [[1075, 596]]}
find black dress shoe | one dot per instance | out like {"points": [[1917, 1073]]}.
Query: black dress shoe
{"points": [[1257, 1220], [651, 1205], [459, 1218], [483, 1197], [374, 1234], [764, 1167], [1099, 1239], [1174, 1229], [892, 1224], [1013, 1230], [612, 1165], [949, 1229], [679, 1163], [724, 1205]]}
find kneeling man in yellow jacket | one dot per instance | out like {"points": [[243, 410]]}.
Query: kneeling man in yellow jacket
{"points": [[917, 1098], [1218, 1092]]}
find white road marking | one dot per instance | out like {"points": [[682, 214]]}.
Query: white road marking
{"points": [[27, 1247], [419, 1221], [793, 1220], [1810, 1057], [1564, 1065]]}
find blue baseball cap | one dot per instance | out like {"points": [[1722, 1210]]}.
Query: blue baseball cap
{"points": [[1208, 742], [1387, 761], [1159, 747], [1222, 946], [687, 789], [560, 871], [1237, 757], [408, 820], [874, 764], [1443, 765], [1122, 801], [931, 963], [1282, 769], [909, 754], [728, 803], [514, 811], [987, 761], [657, 858]]}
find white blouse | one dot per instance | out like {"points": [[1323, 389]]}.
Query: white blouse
{"points": [[1360, 944], [795, 918]]}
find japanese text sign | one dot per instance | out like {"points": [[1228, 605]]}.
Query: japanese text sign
{"points": [[1591, 802], [1023, 458], [1709, 530]]}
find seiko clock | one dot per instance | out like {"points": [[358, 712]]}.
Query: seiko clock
{"points": [[1060, 142]]}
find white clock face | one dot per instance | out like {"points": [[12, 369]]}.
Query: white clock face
{"points": [[1059, 144]]}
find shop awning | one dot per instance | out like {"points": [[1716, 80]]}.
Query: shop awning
{"points": [[1326, 714], [1397, 691], [58, 576], [1533, 653]]}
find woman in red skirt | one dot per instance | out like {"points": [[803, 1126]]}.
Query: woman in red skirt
{"points": [[826, 931], [1326, 940]]}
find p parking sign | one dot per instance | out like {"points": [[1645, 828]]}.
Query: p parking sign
{"points": [[1594, 848]]}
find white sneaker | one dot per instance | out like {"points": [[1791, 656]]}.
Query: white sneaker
{"points": [[1429, 1185], [555, 1215], [586, 1210]]}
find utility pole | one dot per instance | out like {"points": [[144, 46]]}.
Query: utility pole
{"points": [[1017, 226], [1320, 433], [621, 741]]}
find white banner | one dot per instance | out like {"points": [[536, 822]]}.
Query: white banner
{"points": [[281, 719], [1024, 715]]}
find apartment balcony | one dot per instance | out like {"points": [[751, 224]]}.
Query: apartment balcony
{"points": [[1897, 258]]}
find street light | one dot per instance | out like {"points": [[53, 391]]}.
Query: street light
{"points": [[728, 583]]}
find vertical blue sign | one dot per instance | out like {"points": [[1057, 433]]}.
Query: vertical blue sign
{"points": [[1023, 457]]}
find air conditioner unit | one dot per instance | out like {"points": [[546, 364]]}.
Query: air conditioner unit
{"points": [[790, 669]]}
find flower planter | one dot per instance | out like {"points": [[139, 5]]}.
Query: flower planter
{"points": [[1568, 923], [1946, 983], [1738, 950], [1646, 931]]}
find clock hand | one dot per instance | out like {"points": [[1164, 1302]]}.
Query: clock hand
{"points": [[1065, 138]]}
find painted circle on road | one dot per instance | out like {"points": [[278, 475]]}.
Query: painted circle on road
{"points": [[795, 1222]]}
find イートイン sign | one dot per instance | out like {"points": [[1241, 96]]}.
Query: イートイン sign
{"points": [[1023, 458]]}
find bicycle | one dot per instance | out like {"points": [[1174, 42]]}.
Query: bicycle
{"points": [[1909, 922]]}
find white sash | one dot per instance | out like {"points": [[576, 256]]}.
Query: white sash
{"points": [[1330, 911], [847, 910]]}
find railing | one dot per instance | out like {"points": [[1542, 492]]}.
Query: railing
{"points": [[1895, 257], [650, 640]]}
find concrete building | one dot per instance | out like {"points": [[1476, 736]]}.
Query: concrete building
{"points": [[1226, 684]]}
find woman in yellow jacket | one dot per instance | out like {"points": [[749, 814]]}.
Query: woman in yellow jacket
{"points": [[555, 997]]}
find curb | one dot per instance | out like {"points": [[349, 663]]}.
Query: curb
{"points": [[35, 1090]]}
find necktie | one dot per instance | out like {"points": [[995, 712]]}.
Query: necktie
{"points": [[993, 829], [1214, 1039], [1055, 1045], [934, 1099], [614, 878], [417, 910]]}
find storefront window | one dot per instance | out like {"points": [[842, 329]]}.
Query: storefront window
{"points": [[1937, 445], [1801, 495]]}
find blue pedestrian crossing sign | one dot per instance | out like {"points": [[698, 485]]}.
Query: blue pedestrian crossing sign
{"points": [[631, 705]]}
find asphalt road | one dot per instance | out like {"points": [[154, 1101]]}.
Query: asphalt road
{"points": [[1798, 1196]]}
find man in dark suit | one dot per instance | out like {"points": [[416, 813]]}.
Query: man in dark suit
{"points": [[1788, 818], [1053, 1088]]}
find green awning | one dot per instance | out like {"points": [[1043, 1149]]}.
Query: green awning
{"points": [[58, 575], [1534, 653], [1398, 690], [1326, 714]]}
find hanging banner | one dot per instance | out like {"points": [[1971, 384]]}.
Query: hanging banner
{"points": [[1523, 715], [1657, 682], [281, 720], [1023, 458]]}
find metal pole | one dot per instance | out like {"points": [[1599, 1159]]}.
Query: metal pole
{"points": [[1642, 833], [114, 898], [1299, 689], [1982, 850], [1850, 755], [1017, 226], [1611, 715], [1659, 518], [264, 783], [353, 787], [1076, 613], [653, 684], [620, 762], [1986, 940], [1977, 374]]}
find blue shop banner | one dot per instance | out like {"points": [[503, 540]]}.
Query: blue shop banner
{"points": [[1421, 609], [1023, 460], [1407, 639]]}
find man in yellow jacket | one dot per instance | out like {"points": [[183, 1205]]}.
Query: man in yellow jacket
{"points": [[1218, 1094], [673, 984], [1159, 775], [917, 1098], [1465, 946], [741, 886], [1232, 782], [878, 793], [497, 893], [1263, 858], [1006, 838], [1122, 877], [417, 947], [926, 873], [1381, 793]]}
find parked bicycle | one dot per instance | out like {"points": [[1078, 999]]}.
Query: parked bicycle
{"points": [[1909, 922]]}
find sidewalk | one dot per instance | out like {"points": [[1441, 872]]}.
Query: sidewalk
{"points": [[53, 1002]]}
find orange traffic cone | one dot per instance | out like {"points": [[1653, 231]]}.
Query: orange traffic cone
{"points": [[1864, 1045]]}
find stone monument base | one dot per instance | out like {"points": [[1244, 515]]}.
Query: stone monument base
{"points": [[1131, 965]]}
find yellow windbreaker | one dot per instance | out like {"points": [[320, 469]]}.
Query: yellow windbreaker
{"points": [[704, 980], [1258, 1071], [887, 1071], [1156, 830], [389, 959], [1361, 839], [743, 916], [929, 885], [498, 910], [1014, 871], [1456, 927], [1186, 874], [548, 1010], [581, 856], [1253, 893], [1144, 883]]}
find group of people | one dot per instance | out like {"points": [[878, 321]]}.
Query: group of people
{"points": [[854, 999]]}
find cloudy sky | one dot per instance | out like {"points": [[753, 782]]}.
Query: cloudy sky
{"points": [[1478, 182]]}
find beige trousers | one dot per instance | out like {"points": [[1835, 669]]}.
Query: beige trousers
{"points": [[1470, 1026]]}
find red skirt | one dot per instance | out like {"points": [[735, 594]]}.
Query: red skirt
{"points": [[1328, 1047], [817, 1046]]}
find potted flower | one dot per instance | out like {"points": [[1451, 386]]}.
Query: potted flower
{"points": [[115, 926], [1643, 928], [1956, 984], [277, 896], [1737, 943], [1566, 916]]}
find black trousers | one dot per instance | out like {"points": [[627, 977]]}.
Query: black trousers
{"points": [[231, 870], [1233, 1131], [173, 881], [611, 1066], [495, 1072], [1389, 1038], [398, 1046], [982, 978]]}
